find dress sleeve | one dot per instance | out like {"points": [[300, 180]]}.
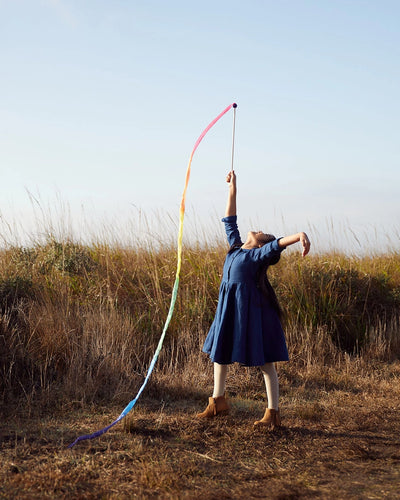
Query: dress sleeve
{"points": [[270, 251], [232, 231]]}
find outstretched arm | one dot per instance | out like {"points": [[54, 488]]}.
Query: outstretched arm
{"points": [[231, 203], [294, 238]]}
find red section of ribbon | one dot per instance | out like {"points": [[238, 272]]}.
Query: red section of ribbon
{"points": [[233, 105]]}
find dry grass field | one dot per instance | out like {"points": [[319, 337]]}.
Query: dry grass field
{"points": [[79, 325], [340, 440]]}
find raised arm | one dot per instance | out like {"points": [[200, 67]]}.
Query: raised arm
{"points": [[294, 238], [231, 203]]}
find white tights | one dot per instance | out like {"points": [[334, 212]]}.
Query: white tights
{"points": [[220, 372], [270, 379]]}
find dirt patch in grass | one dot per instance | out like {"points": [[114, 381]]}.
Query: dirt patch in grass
{"points": [[341, 439]]}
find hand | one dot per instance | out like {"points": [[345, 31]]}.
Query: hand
{"points": [[231, 179], [305, 243]]}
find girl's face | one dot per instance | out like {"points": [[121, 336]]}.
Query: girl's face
{"points": [[259, 238]]}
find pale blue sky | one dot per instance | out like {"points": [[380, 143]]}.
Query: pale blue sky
{"points": [[101, 103]]}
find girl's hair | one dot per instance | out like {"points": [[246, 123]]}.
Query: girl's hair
{"points": [[266, 288]]}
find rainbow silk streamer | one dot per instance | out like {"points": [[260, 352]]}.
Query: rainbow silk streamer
{"points": [[132, 403]]}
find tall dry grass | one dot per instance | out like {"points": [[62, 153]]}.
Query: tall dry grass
{"points": [[82, 321]]}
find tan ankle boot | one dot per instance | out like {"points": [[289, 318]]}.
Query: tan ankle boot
{"points": [[216, 406], [271, 420]]}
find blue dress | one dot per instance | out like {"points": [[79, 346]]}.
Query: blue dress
{"points": [[246, 328]]}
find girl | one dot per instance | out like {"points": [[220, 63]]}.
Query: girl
{"points": [[247, 328]]}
